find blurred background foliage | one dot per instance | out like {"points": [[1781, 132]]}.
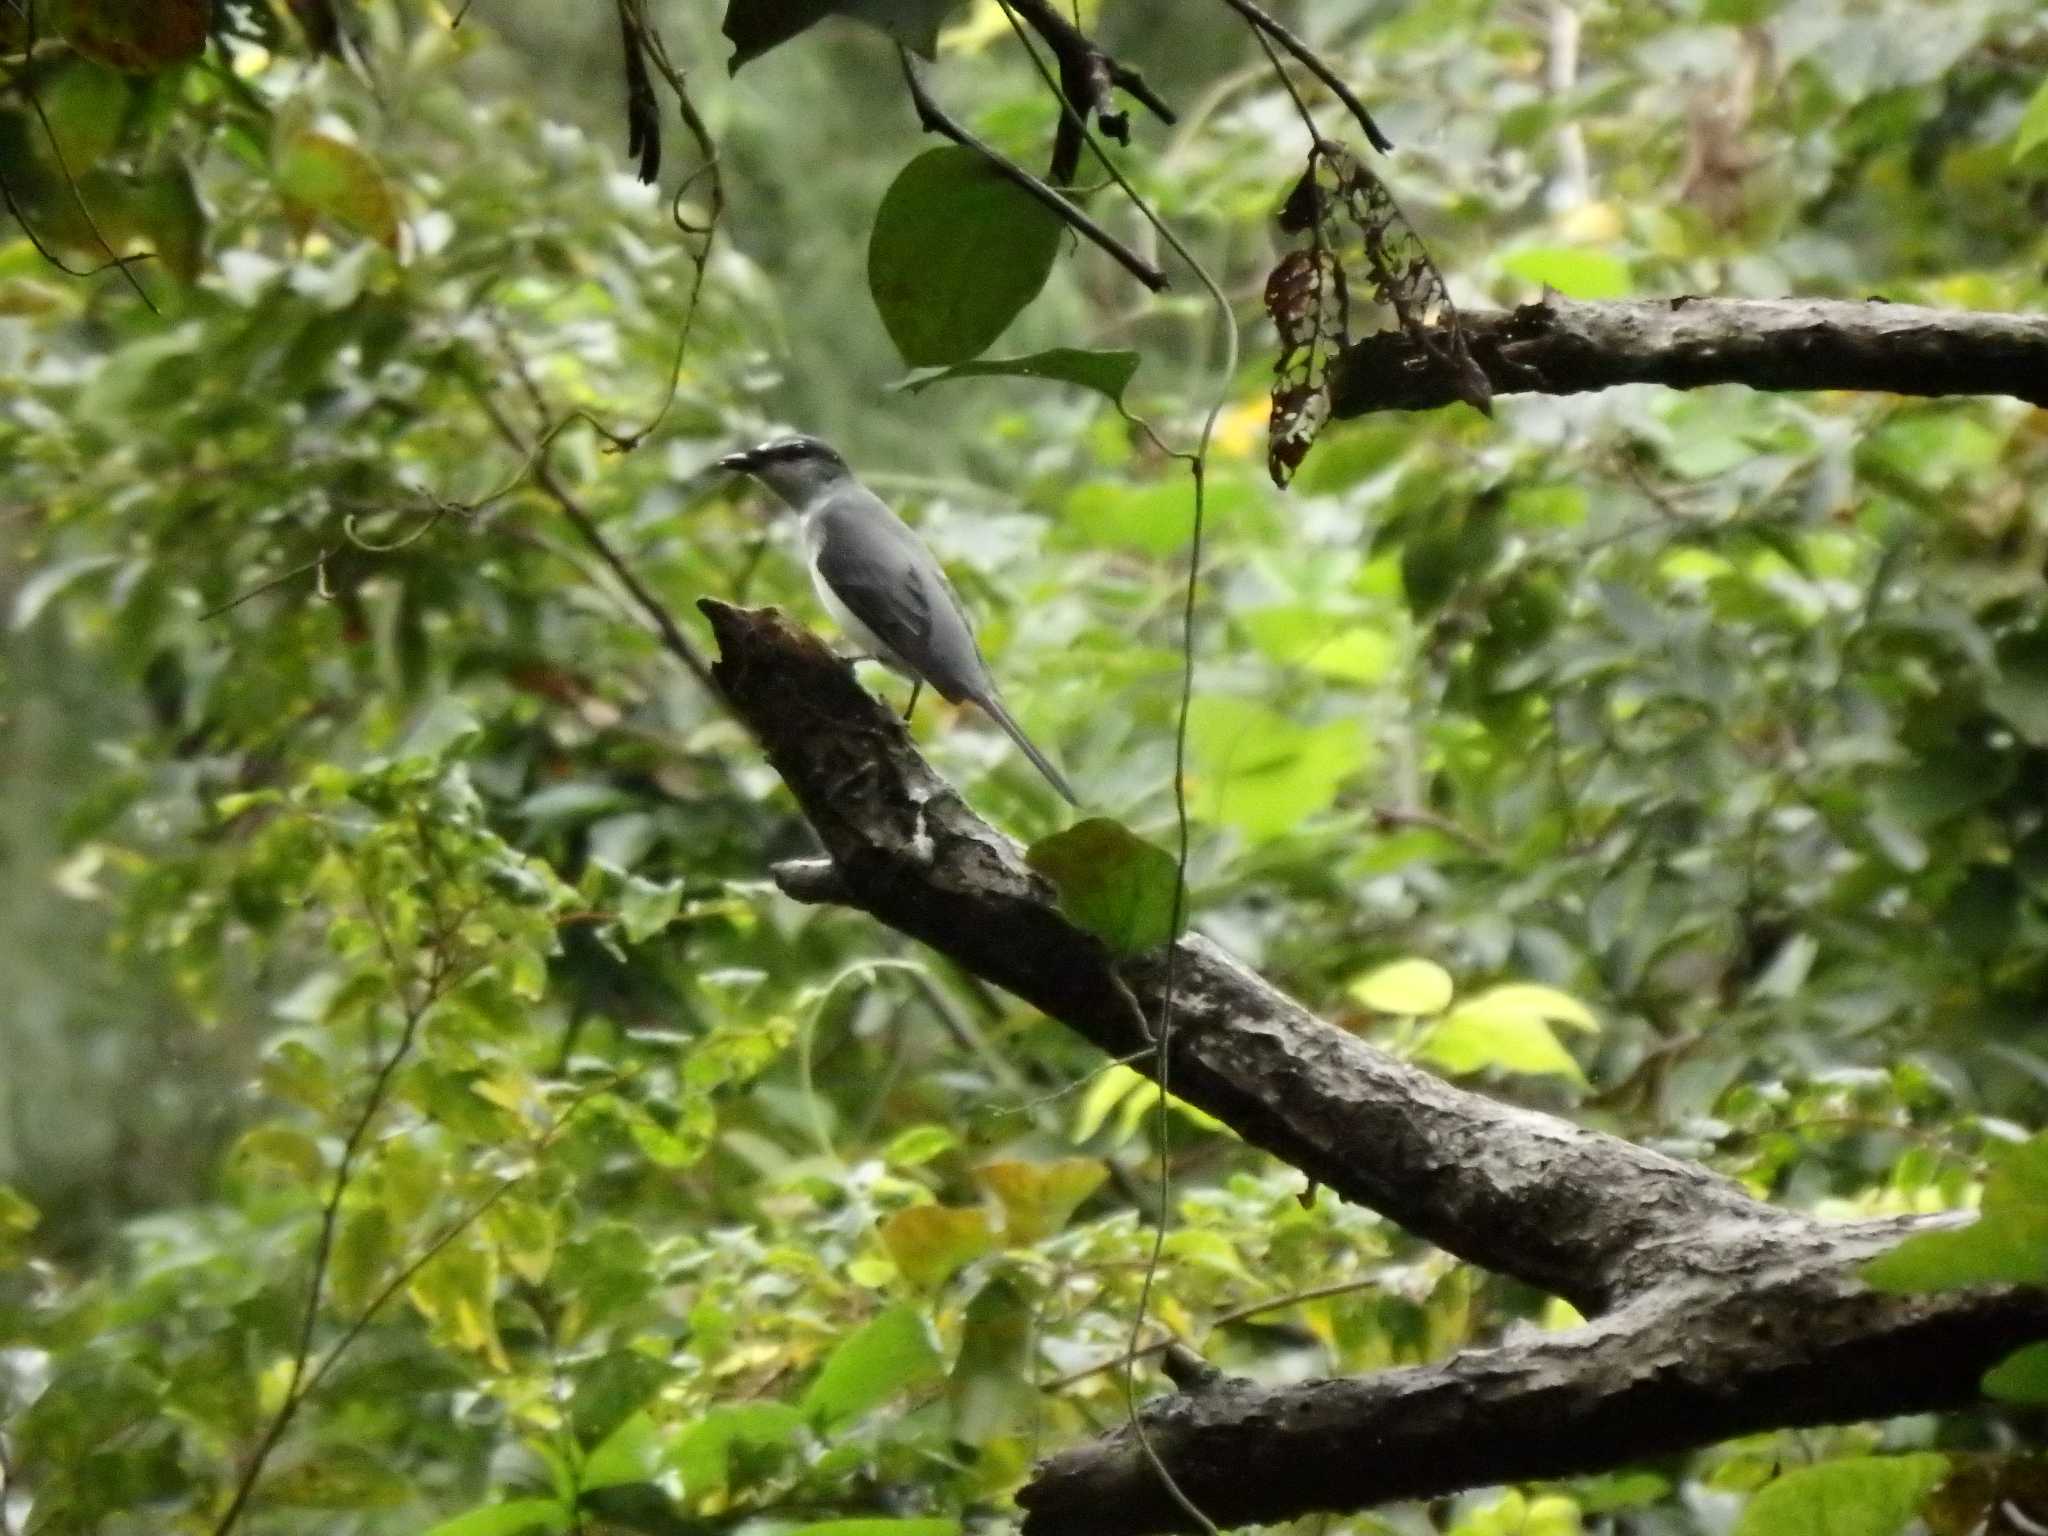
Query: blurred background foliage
{"points": [[1722, 716]]}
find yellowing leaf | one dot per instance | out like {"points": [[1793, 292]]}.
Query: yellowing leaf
{"points": [[1531, 1000], [1410, 987], [929, 1242], [1473, 1039], [457, 1292], [1038, 1198], [323, 177]]}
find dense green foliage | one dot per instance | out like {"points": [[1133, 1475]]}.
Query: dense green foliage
{"points": [[410, 1075]]}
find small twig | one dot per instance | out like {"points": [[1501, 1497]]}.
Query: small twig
{"points": [[1313, 62], [933, 119], [35, 102], [1221, 1320], [1089, 77], [330, 1219], [672, 637]]}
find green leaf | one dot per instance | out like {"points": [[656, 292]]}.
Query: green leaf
{"points": [[1412, 987], [1111, 882], [1038, 1198], [1856, 1496], [1107, 373], [877, 1527], [707, 1451], [2021, 1377], [1573, 271], [891, 1352], [929, 1242], [85, 103], [508, 1519], [325, 178], [755, 26], [137, 39], [626, 1455], [2007, 1243], [647, 907], [1474, 1037], [956, 253], [1537, 1002], [991, 1393], [1258, 771], [2033, 129]]}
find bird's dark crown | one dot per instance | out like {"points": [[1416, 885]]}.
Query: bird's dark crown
{"points": [[785, 450]]}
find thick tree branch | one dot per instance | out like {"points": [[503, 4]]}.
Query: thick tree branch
{"points": [[1714, 1314], [1561, 347]]}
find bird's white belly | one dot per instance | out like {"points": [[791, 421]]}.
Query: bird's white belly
{"points": [[850, 624]]}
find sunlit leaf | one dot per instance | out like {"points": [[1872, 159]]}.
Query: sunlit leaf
{"points": [[2006, 1244], [1855, 1496], [2033, 129], [1574, 271], [889, 1353], [512, 1518], [2021, 1377], [626, 1455], [1475, 1038], [1535, 1001], [956, 253], [1411, 986]]}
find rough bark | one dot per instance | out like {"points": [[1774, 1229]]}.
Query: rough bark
{"points": [[1713, 1314], [1563, 347]]}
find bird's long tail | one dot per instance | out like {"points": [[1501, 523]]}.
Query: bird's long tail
{"points": [[994, 708]]}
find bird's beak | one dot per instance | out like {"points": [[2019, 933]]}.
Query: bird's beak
{"points": [[742, 462]]}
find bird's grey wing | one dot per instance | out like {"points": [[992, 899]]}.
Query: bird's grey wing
{"points": [[886, 577]]}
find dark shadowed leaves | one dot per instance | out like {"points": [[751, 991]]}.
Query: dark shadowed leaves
{"points": [[137, 39], [1107, 373], [755, 26], [1111, 882], [957, 251]]}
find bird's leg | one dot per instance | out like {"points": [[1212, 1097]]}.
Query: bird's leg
{"points": [[915, 689]]}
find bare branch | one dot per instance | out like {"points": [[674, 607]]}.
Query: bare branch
{"points": [[1561, 346]]}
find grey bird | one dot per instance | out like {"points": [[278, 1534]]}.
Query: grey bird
{"points": [[880, 583]]}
